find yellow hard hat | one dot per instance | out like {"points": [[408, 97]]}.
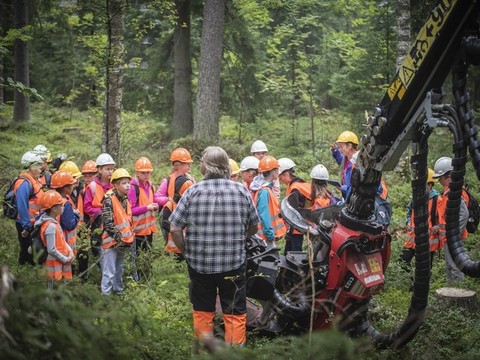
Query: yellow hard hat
{"points": [[234, 166], [119, 174], [430, 178], [348, 136], [70, 167]]}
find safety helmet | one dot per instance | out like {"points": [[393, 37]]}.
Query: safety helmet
{"points": [[104, 159], [43, 152], [319, 172], [49, 199], [61, 178], [258, 146], [442, 166], [120, 173], [234, 167], [71, 167], [285, 164], [180, 154], [31, 158], [268, 163], [143, 164], [430, 178], [89, 167], [249, 162], [347, 136]]}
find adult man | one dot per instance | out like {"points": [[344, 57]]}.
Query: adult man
{"points": [[218, 215], [442, 168]]}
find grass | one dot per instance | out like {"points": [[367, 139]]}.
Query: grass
{"points": [[152, 319]]}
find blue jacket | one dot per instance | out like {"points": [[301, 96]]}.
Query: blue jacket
{"points": [[262, 206]]}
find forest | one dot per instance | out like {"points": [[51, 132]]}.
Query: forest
{"points": [[140, 78]]}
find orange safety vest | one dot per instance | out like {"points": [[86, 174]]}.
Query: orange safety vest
{"points": [[80, 206], [442, 207], [434, 238], [170, 246], [279, 228], [146, 223], [33, 207], [303, 188], [321, 202], [97, 194], [123, 222], [56, 270], [384, 193]]}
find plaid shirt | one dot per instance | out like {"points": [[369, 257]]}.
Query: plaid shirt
{"points": [[216, 214]]}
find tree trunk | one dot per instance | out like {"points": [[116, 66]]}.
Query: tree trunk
{"points": [[403, 30], [114, 85], [182, 110], [207, 117], [21, 108]]}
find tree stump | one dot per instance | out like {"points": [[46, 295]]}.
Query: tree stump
{"points": [[457, 297]]}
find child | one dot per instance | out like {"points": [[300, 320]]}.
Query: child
{"points": [[271, 227], [249, 169], [260, 150], [294, 238], [63, 183], [321, 195], [60, 255], [234, 170], [181, 164], [117, 234]]}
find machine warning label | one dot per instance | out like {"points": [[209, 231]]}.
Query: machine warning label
{"points": [[420, 48]]}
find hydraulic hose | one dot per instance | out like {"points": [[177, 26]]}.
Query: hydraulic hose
{"points": [[468, 136], [419, 300], [288, 307]]}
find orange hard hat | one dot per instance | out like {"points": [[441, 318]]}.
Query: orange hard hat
{"points": [[89, 167], [61, 178], [268, 163], [181, 154], [49, 199], [143, 164]]}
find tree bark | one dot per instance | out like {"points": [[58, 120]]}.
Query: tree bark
{"points": [[182, 109], [21, 107], [403, 30], [114, 85], [207, 117]]}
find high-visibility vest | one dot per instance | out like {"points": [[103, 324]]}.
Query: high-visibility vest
{"points": [[442, 207], [33, 207], [80, 206], [434, 237], [305, 189], [170, 246], [321, 202], [384, 193], [277, 223], [123, 222], [56, 270], [97, 194], [146, 223]]}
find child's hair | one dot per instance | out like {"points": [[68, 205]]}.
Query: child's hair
{"points": [[319, 189]]}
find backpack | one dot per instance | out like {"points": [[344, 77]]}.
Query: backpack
{"points": [[473, 213], [10, 209], [39, 251], [383, 211]]}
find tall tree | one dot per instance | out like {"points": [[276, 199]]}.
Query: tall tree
{"points": [[114, 84], [207, 117], [403, 29], [21, 108], [182, 109]]}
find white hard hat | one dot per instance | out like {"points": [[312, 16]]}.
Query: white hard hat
{"points": [[249, 162], [42, 151], [104, 159], [31, 158], [442, 166], [319, 172], [285, 164], [258, 146]]}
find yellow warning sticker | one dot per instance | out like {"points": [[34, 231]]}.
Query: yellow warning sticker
{"points": [[374, 265], [393, 88]]}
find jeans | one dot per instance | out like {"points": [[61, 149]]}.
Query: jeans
{"points": [[112, 269]]}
